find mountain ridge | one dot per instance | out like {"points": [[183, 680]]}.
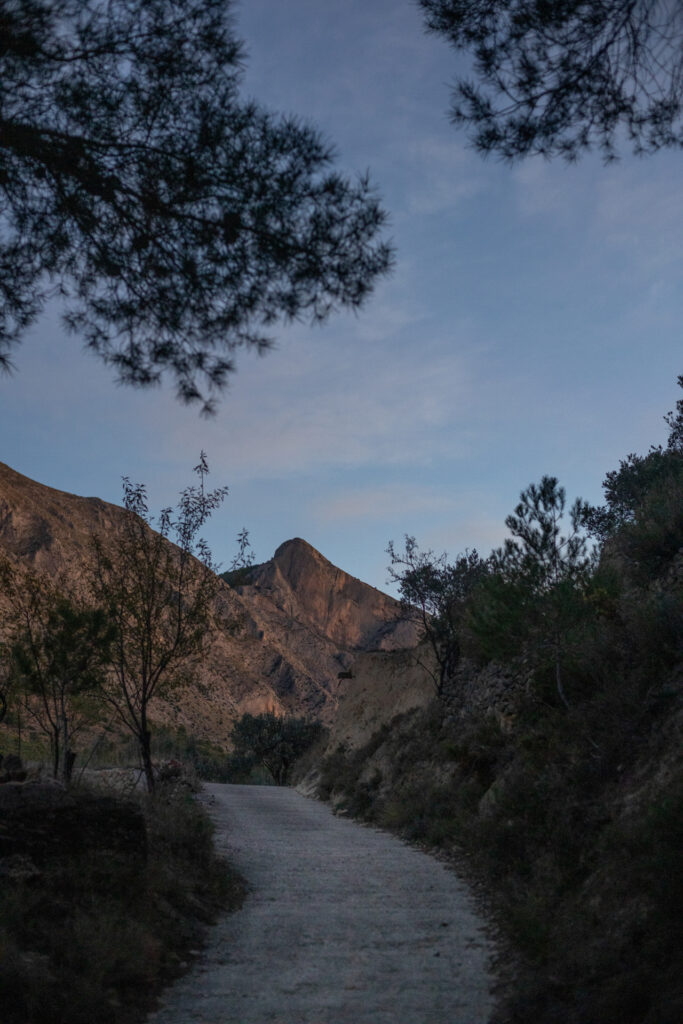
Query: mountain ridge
{"points": [[286, 640]]}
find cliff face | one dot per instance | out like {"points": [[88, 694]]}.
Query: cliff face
{"points": [[285, 641], [302, 585], [384, 684]]}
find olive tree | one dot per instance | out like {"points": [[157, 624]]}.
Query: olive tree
{"points": [[57, 648], [273, 741], [434, 594]]}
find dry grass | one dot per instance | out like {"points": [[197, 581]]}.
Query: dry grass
{"points": [[95, 921]]}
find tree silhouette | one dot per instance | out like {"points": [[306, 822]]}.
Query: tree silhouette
{"points": [[158, 587], [178, 220], [529, 607], [273, 741], [434, 593], [57, 647], [558, 76]]}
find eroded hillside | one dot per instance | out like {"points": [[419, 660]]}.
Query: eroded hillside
{"points": [[287, 639]]}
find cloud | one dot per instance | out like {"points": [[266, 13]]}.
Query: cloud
{"points": [[442, 518], [555, 190], [631, 207], [640, 213], [379, 503], [337, 402], [440, 175], [469, 530]]}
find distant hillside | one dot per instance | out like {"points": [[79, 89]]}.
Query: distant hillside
{"points": [[284, 635]]}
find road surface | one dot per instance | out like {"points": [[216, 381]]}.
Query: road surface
{"points": [[343, 925]]}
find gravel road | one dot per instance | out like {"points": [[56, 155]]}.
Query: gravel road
{"points": [[343, 925]]}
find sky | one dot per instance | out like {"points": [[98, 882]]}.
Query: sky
{"points": [[531, 326]]}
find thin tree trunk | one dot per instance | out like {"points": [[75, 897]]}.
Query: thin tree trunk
{"points": [[558, 682], [55, 752], [146, 756], [63, 727], [443, 674]]}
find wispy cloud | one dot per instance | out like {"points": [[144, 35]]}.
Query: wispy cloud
{"points": [[310, 407], [632, 208], [544, 190], [640, 213], [441, 174], [470, 529], [379, 503]]}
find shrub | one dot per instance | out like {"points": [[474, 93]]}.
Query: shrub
{"points": [[105, 899]]}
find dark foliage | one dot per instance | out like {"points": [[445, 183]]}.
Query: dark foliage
{"points": [[101, 902], [58, 650], [240, 577], [179, 220], [627, 488], [274, 741], [529, 608], [433, 593], [559, 77], [568, 804]]}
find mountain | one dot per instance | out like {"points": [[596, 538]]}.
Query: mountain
{"points": [[312, 594], [287, 637]]}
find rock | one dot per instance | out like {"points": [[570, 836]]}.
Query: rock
{"points": [[384, 684], [17, 797]]}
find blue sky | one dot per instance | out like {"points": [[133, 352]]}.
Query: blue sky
{"points": [[532, 325]]}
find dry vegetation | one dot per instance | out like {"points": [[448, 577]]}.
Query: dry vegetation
{"points": [[566, 801], [579, 854], [104, 899]]}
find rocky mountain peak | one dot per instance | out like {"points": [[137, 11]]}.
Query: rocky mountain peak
{"points": [[310, 590], [286, 637]]}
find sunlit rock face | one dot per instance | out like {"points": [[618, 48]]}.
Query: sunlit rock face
{"points": [[286, 640], [302, 585]]}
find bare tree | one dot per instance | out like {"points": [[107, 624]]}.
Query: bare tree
{"points": [[158, 584]]}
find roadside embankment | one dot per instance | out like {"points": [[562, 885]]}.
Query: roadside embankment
{"points": [[570, 820], [103, 899]]}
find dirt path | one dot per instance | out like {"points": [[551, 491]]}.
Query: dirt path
{"points": [[344, 925]]}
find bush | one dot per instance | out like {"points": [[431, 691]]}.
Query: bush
{"points": [[275, 742], [571, 819], [101, 901]]}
